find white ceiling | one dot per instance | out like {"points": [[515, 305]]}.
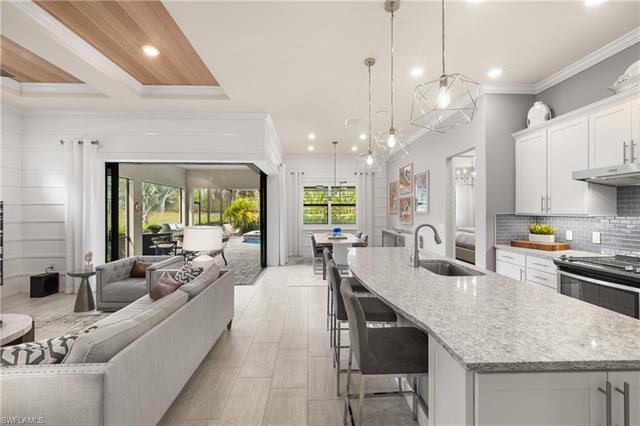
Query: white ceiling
{"points": [[302, 61]]}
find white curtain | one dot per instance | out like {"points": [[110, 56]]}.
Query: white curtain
{"points": [[80, 165], [366, 182], [295, 211], [282, 189]]}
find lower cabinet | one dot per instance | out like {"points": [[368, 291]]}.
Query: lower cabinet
{"points": [[625, 398], [521, 267], [510, 270]]}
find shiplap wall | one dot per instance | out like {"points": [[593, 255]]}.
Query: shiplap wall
{"points": [[319, 170]]}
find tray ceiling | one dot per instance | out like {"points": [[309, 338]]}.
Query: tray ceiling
{"points": [[119, 30], [25, 66]]}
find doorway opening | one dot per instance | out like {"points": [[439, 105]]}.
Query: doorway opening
{"points": [[148, 205], [463, 185]]}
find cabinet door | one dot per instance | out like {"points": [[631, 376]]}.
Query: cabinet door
{"points": [[567, 151], [618, 380], [609, 130], [540, 399], [531, 172], [510, 270], [635, 128]]}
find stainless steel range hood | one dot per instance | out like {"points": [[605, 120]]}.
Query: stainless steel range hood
{"points": [[622, 175]]}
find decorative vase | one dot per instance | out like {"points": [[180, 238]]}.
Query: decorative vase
{"points": [[539, 238], [538, 113]]}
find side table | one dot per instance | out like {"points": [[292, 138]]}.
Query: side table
{"points": [[84, 300]]}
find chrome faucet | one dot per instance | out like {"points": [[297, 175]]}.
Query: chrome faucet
{"points": [[416, 233]]}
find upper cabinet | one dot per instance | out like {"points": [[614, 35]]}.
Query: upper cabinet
{"points": [[610, 136], [603, 134]]}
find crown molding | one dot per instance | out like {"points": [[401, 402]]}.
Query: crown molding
{"points": [[508, 89], [591, 59], [49, 89]]}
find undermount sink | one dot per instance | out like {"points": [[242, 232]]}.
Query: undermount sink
{"points": [[448, 269]]}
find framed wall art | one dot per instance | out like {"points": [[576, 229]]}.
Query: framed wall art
{"points": [[405, 206], [421, 192], [405, 180], [393, 197]]}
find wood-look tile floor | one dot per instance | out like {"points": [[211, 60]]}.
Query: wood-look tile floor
{"points": [[274, 367]]}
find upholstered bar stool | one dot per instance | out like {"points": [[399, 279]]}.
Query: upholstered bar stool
{"points": [[374, 310], [380, 352], [327, 257]]}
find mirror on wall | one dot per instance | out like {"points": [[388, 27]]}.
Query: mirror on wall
{"points": [[464, 199]]}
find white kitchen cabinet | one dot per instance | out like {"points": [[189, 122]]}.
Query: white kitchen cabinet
{"points": [[510, 270], [610, 136], [618, 379], [563, 398], [635, 129], [531, 171], [567, 151]]}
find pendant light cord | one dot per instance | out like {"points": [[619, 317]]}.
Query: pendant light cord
{"points": [[392, 81], [369, 68], [443, 55]]}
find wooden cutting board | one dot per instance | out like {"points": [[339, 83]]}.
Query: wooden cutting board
{"points": [[540, 246]]}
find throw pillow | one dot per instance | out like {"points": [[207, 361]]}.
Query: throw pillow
{"points": [[139, 269], [50, 351], [187, 273], [164, 286]]}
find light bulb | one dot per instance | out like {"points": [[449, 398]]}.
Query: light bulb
{"points": [[391, 142], [369, 159], [443, 97]]}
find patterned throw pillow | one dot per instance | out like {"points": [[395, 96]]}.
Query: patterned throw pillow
{"points": [[50, 351], [187, 274]]}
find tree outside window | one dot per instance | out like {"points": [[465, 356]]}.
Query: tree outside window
{"points": [[318, 210], [160, 204]]}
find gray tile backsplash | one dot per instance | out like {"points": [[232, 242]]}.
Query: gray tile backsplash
{"points": [[618, 234]]}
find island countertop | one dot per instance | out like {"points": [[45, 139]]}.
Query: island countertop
{"points": [[492, 323]]}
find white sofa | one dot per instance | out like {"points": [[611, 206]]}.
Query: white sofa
{"points": [[139, 383]]}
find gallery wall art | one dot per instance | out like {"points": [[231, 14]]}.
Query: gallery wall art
{"points": [[421, 192], [393, 197], [405, 206], [405, 180]]}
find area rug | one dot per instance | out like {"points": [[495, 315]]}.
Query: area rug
{"points": [[53, 325]]}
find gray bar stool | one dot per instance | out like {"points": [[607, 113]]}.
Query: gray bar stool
{"points": [[394, 351], [374, 310]]}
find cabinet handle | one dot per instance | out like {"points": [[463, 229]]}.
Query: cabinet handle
{"points": [[627, 398], [633, 151], [607, 394], [624, 152], [548, 204], [520, 274], [542, 203]]}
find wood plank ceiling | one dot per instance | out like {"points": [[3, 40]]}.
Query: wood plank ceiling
{"points": [[119, 30], [26, 67]]}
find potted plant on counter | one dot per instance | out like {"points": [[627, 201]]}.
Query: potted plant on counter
{"points": [[542, 233]]}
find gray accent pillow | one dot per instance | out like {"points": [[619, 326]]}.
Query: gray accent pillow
{"points": [[187, 273], [196, 286], [50, 351]]}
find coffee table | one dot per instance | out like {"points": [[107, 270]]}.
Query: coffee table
{"points": [[84, 300], [16, 329]]}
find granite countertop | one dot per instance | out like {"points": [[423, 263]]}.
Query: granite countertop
{"points": [[492, 323], [544, 253]]}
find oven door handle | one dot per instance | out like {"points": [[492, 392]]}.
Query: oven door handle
{"points": [[595, 281]]}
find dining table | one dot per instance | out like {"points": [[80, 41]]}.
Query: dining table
{"points": [[325, 240]]}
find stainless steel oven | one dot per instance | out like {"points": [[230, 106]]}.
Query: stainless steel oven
{"points": [[601, 292]]}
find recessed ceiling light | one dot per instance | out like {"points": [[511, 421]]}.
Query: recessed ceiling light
{"points": [[310, 148], [495, 72], [417, 71], [362, 136], [593, 2], [151, 51], [354, 148], [311, 136]]}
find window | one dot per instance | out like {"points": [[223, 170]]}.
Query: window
{"points": [[319, 210], [211, 204], [160, 204]]}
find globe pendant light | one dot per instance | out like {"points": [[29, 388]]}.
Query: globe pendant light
{"points": [[372, 160], [392, 142], [446, 102]]}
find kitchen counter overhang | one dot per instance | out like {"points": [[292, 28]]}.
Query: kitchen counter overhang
{"points": [[494, 324]]}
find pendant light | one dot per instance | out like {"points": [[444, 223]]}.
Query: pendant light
{"points": [[372, 160], [392, 142], [446, 102], [336, 189]]}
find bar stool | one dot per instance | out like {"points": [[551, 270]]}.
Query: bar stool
{"points": [[374, 311], [396, 352]]}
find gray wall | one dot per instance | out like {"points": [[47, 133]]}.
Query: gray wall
{"points": [[590, 85]]}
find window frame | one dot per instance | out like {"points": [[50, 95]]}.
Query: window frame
{"points": [[181, 191], [329, 205]]}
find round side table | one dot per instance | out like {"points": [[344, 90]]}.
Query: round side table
{"points": [[84, 300], [16, 329]]}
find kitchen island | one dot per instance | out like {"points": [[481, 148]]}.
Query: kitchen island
{"points": [[508, 352]]}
